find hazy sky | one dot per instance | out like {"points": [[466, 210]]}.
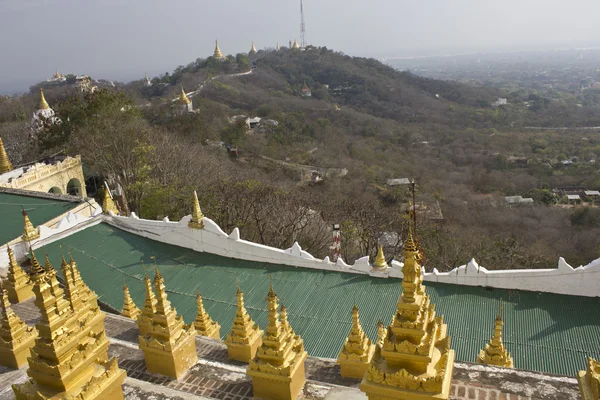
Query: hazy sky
{"points": [[121, 39]]}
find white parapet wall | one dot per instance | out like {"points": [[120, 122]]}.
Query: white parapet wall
{"points": [[581, 281]]}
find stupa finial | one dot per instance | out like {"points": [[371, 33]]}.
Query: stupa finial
{"points": [[43, 103], [5, 164], [197, 221]]}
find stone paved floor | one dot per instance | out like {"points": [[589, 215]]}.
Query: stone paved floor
{"points": [[216, 376]]}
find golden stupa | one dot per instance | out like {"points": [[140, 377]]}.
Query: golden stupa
{"points": [[204, 324], [277, 370], [589, 381], [5, 164], [295, 45], [197, 221], [169, 346], [130, 310], [183, 99], [69, 359], [29, 232], [245, 336], [17, 283], [16, 337], [253, 49], [380, 259], [218, 55], [495, 352], [357, 351], [416, 361], [43, 103], [144, 320]]}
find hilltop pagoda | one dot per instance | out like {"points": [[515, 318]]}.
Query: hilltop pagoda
{"points": [[5, 164], [185, 104], [357, 352], [253, 49], [217, 54], [69, 359], [16, 337], [169, 345], [415, 361], [589, 381], [277, 370], [245, 336], [17, 283], [204, 324], [495, 352]]}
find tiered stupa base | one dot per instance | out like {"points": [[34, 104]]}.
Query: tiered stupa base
{"points": [[106, 384], [355, 369], [244, 352], [17, 357], [390, 391], [276, 387], [175, 363], [587, 393], [18, 294]]}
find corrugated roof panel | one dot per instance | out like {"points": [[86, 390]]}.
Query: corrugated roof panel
{"points": [[543, 332]]}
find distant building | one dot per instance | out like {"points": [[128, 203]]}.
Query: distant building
{"points": [[517, 200], [306, 92], [57, 77], [573, 198], [500, 102], [253, 122], [398, 182], [148, 82], [83, 83]]}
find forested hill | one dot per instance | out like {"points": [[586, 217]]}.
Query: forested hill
{"points": [[365, 85]]}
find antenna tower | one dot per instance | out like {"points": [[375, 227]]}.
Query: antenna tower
{"points": [[302, 27]]}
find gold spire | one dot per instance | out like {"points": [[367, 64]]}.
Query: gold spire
{"points": [[17, 283], [217, 53], [145, 318], [295, 45], [204, 325], [169, 344], [495, 352], [357, 351], [108, 203], [43, 104], [278, 366], [35, 269], [277, 47], [197, 221], [245, 336], [16, 338], [29, 232], [284, 320], [130, 310], [253, 49], [416, 350], [183, 99], [380, 259], [5, 164]]}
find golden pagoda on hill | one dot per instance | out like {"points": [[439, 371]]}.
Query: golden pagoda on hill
{"points": [[130, 310], [295, 46], [29, 232], [169, 346], [495, 352], [253, 49], [416, 361], [218, 55], [197, 221], [16, 337], [277, 370], [589, 381], [144, 320], [245, 336], [69, 359], [5, 164], [17, 283], [204, 324], [357, 352]]}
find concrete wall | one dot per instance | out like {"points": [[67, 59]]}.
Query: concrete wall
{"points": [[582, 281]]}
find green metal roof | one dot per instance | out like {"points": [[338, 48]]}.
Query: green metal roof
{"points": [[39, 209], [544, 332]]}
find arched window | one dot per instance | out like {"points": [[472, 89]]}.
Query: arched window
{"points": [[74, 187], [55, 190]]}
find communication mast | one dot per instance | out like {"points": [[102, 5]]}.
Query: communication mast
{"points": [[302, 28]]}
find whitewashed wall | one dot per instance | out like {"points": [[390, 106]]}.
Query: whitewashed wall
{"points": [[582, 281]]}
